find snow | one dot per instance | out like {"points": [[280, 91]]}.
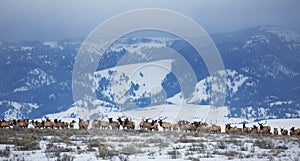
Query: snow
{"points": [[52, 44], [122, 77], [233, 82], [26, 48], [21, 89], [16, 109], [277, 103]]}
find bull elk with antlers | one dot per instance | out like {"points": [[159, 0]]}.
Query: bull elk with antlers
{"points": [[165, 125]]}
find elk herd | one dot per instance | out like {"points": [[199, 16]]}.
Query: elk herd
{"points": [[149, 125]]}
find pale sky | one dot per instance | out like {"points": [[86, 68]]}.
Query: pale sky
{"points": [[57, 19]]}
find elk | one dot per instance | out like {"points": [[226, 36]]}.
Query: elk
{"points": [[275, 131], [72, 124], [129, 124], [255, 129], [48, 123], [154, 125], [83, 124], [294, 131], [229, 129], [165, 125], [104, 125], [96, 124], [246, 129], [58, 124], [204, 127], [37, 124], [122, 123], [21, 123], [175, 127], [216, 129], [264, 129], [5, 124], [284, 131], [183, 125], [114, 124], [145, 124]]}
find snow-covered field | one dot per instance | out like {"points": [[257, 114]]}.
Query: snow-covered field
{"points": [[48, 144]]}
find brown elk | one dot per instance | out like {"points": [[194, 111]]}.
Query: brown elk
{"points": [[175, 127], [83, 124], [230, 129], [183, 125], [246, 129], [145, 124], [48, 123], [275, 131], [154, 125], [96, 124], [5, 124], [114, 124], [216, 129], [294, 131], [104, 125], [165, 125], [205, 128], [264, 129], [72, 124], [255, 129], [122, 123], [58, 124], [21, 123], [284, 131], [37, 124], [129, 124]]}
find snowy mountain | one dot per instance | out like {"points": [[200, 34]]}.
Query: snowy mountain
{"points": [[262, 67]]}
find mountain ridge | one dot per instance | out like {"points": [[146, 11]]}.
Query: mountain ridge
{"points": [[265, 58]]}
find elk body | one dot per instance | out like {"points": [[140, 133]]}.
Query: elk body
{"points": [[246, 129], [216, 129], [294, 131], [83, 124], [284, 131], [275, 131], [96, 124], [145, 125], [130, 125], [37, 124], [165, 125], [264, 129], [72, 124], [230, 129], [48, 123], [60, 124], [5, 124], [114, 124], [175, 127], [21, 123]]}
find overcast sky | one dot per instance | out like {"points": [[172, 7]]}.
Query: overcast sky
{"points": [[57, 19]]}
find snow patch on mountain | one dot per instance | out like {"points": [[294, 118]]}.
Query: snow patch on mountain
{"points": [[36, 78], [17, 110], [53, 44], [132, 81], [203, 89]]}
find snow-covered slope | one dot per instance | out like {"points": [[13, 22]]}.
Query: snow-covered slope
{"points": [[261, 65]]}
